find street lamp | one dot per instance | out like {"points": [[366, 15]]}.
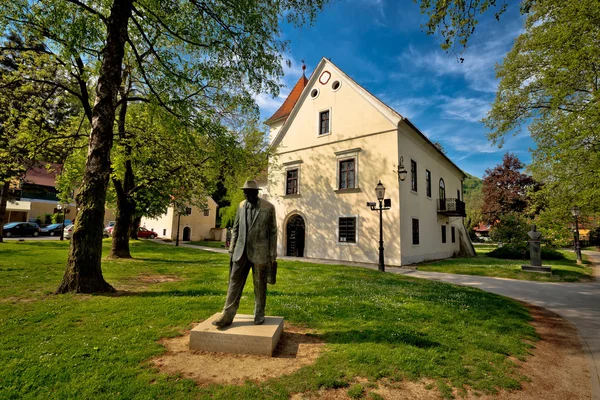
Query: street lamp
{"points": [[384, 204], [62, 231], [575, 211], [401, 170]]}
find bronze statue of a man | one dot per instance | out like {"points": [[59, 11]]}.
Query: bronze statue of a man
{"points": [[253, 246]]}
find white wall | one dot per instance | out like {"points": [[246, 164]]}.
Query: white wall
{"points": [[418, 205]]}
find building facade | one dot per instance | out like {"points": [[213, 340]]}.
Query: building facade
{"points": [[35, 196], [334, 142], [194, 225]]}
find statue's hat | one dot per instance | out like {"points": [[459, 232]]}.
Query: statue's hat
{"points": [[250, 185]]}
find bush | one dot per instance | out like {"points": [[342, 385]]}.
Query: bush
{"points": [[512, 228], [514, 251]]}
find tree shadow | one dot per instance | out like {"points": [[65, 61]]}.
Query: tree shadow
{"points": [[167, 293], [383, 335]]}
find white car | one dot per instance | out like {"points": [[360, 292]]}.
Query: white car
{"points": [[68, 233]]}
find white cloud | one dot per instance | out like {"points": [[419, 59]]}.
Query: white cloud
{"points": [[463, 108], [468, 144], [478, 66]]}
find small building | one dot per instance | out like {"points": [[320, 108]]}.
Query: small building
{"points": [[333, 142], [195, 224], [35, 195]]}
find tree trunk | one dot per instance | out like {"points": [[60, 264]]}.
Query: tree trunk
{"points": [[3, 201], [123, 219], [84, 273], [135, 225], [125, 202]]}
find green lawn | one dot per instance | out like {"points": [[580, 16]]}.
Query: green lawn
{"points": [[565, 270], [209, 243], [375, 326]]}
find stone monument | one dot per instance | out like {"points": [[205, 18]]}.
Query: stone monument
{"points": [[535, 251], [253, 248]]}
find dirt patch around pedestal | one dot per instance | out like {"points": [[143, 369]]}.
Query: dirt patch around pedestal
{"points": [[556, 370], [295, 349]]}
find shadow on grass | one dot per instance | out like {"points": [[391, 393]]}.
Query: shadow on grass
{"points": [[167, 293], [380, 335]]}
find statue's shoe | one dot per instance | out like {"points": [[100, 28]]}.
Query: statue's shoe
{"points": [[259, 320], [223, 321]]}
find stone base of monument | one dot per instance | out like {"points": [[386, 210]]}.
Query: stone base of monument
{"points": [[542, 268], [241, 337]]}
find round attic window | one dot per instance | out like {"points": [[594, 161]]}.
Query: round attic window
{"points": [[314, 93], [324, 78], [336, 85]]}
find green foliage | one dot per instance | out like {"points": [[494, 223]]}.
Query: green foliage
{"points": [[511, 228], [595, 236], [519, 251], [384, 326], [456, 20], [549, 83], [356, 391], [57, 218]]}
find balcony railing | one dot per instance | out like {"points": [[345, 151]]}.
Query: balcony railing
{"points": [[451, 207]]}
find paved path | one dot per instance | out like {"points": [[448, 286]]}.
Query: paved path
{"points": [[579, 303]]}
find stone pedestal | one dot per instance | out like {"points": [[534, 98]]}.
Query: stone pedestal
{"points": [[539, 268], [241, 337]]}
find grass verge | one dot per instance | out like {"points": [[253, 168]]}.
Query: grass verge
{"points": [[375, 326], [566, 270], [209, 243]]}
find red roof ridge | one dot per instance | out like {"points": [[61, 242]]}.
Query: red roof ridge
{"points": [[289, 103]]}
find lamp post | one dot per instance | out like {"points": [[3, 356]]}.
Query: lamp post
{"points": [[384, 204], [178, 223], [62, 231], [575, 211]]}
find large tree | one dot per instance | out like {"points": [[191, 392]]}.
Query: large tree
{"points": [[505, 189], [188, 41], [39, 121], [550, 82]]}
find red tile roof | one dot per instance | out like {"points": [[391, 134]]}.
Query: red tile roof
{"points": [[290, 102], [40, 175]]}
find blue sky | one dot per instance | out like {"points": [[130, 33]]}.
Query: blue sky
{"points": [[379, 43]]}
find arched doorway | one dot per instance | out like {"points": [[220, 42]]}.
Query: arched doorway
{"points": [[295, 230], [187, 233]]}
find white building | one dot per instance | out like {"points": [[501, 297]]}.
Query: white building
{"points": [[334, 142], [194, 225]]}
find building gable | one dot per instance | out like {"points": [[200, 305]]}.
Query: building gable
{"points": [[353, 111]]}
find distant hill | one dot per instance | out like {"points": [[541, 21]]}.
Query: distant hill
{"points": [[471, 183]]}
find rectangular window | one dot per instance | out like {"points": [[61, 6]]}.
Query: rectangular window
{"points": [[453, 234], [164, 232], [347, 233], [188, 211], [413, 175], [291, 185], [347, 174], [415, 230], [443, 233], [324, 122], [457, 194], [428, 182], [207, 213]]}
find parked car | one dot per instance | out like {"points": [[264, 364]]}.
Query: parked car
{"points": [[21, 229], [68, 232], [146, 233], [109, 230], [52, 230], [106, 232], [110, 224]]}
